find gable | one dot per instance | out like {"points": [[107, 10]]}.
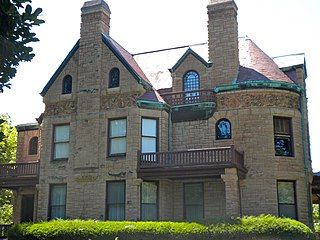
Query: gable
{"points": [[60, 68]]}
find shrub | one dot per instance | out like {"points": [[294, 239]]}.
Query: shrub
{"points": [[239, 228]]}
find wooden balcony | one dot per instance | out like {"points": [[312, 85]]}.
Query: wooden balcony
{"points": [[13, 175], [191, 105], [190, 164], [189, 97]]}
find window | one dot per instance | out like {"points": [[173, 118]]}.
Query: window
{"points": [[57, 204], [33, 146], [287, 199], [115, 201], [191, 82], [114, 78], [193, 201], [117, 137], [67, 85], [61, 142], [149, 201], [223, 129], [149, 132], [282, 136]]}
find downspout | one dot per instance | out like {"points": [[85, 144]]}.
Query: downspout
{"points": [[169, 131], [306, 167]]}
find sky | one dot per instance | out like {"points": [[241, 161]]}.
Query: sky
{"points": [[278, 27]]}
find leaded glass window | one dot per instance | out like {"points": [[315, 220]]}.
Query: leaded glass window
{"points": [[282, 136], [191, 82], [115, 201], [223, 129], [67, 85], [287, 199], [149, 201], [193, 201], [114, 78]]}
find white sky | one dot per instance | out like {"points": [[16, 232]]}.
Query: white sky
{"points": [[278, 27]]}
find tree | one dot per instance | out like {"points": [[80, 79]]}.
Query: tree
{"points": [[16, 20], [8, 147]]}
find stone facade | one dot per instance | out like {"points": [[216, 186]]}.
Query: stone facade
{"points": [[240, 188]]}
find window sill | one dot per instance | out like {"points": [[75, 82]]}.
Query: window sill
{"points": [[113, 90], [60, 160]]}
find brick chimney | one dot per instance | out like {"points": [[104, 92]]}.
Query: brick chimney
{"points": [[223, 41]]}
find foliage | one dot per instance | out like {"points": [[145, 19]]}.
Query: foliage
{"points": [[8, 140], [16, 18], [262, 227], [8, 147], [316, 219]]}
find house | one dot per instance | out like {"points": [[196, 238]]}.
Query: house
{"points": [[228, 135]]}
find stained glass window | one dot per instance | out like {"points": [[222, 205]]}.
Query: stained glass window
{"points": [[190, 83], [223, 129], [114, 78]]}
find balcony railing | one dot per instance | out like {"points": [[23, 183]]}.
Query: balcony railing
{"points": [[189, 97], [180, 162], [19, 169]]}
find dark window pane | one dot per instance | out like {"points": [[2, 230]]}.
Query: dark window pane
{"points": [[58, 194], [116, 201], [33, 146], [282, 136], [67, 85], [114, 78], [193, 199], [149, 212], [288, 211]]}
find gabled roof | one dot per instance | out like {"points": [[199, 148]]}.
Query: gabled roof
{"points": [[255, 65], [123, 55], [128, 61], [185, 55], [60, 68]]}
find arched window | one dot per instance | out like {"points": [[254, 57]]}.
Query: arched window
{"points": [[223, 129], [67, 85], [114, 78], [191, 81], [33, 146]]}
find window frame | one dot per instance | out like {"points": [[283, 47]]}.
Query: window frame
{"points": [[157, 133], [287, 204], [155, 204], [111, 74], [66, 90], [124, 200], [55, 143], [111, 138], [33, 146], [287, 136], [216, 129], [185, 204], [194, 96], [51, 186]]}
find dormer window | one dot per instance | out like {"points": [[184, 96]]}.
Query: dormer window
{"points": [[190, 83], [67, 85], [114, 78]]}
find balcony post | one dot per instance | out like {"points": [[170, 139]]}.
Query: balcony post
{"points": [[232, 192]]}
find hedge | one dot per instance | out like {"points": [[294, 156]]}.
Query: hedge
{"points": [[262, 227]]}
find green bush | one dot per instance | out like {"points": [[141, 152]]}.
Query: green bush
{"points": [[239, 228]]}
